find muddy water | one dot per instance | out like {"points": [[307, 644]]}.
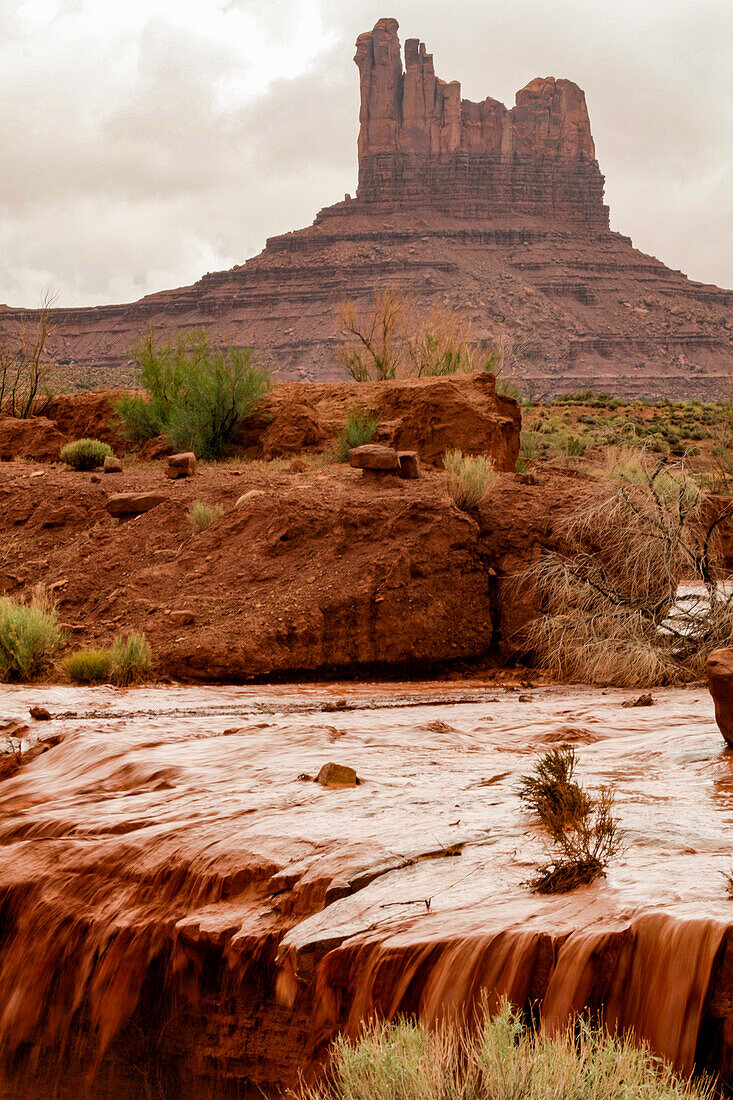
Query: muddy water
{"points": [[169, 881]]}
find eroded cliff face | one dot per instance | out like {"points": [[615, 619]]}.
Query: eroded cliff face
{"points": [[419, 142]]}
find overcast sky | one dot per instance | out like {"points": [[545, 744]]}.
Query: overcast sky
{"points": [[145, 142]]}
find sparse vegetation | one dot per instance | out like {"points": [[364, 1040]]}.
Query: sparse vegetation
{"points": [[89, 666], [29, 636], [131, 660], [197, 396], [470, 477], [25, 366], [85, 454], [581, 826], [393, 338], [499, 1058], [359, 429], [611, 614], [203, 515]]}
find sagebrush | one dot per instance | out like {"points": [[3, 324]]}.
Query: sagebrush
{"points": [[89, 666], [581, 826], [498, 1058], [30, 636], [131, 660], [85, 454], [196, 395]]}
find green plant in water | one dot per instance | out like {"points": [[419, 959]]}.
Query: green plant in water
{"points": [[359, 429], [131, 660], [202, 515], [89, 666], [85, 454], [29, 636]]}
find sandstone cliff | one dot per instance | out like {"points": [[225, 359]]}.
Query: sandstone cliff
{"points": [[419, 141], [496, 213]]}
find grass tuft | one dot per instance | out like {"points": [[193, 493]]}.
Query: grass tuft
{"points": [[131, 660], [29, 636], [359, 429], [470, 477], [85, 454], [203, 515], [89, 666], [498, 1059]]}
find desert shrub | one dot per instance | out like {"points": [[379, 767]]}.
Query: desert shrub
{"points": [[89, 666], [470, 477], [131, 660], [359, 429], [610, 611], [203, 515], [25, 366], [581, 826], [392, 338], [497, 1058], [196, 396], [85, 454], [29, 636]]}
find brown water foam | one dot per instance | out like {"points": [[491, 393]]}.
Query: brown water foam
{"points": [[180, 913]]}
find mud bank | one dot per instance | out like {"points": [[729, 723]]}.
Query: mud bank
{"points": [[184, 911]]}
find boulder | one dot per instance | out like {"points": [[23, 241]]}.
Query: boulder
{"points": [[112, 465], [40, 714], [720, 683], [181, 465], [337, 775], [182, 617], [374, 456], [133, 504], [409, 464]]}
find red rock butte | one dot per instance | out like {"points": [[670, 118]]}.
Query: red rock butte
{"points": [[495, 212]]}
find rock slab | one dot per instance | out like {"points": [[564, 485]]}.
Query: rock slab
{"points": [[133, 504], [181, 465], [374, 456]]}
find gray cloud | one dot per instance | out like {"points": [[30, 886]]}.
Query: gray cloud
{"points": [[137, 156]]}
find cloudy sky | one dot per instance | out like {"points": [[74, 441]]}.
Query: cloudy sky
{"points": [[145, 142]]}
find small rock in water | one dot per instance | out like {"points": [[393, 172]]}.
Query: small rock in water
{"points": [[642, 701], [40, 714], [337, 775]]}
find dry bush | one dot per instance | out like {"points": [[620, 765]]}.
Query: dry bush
{"points": [[30, 635], [470, 477], [25, 367], [611, 614], [201, 516], [392, 338], [496, 1058], [580, 825]]}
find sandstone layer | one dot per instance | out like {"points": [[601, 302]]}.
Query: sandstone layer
{"points": [[493, 212], [187, 913]]}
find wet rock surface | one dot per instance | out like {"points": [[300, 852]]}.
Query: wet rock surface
{"points": [[255, 915]]}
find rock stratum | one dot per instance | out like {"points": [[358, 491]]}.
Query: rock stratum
{"points": [[493, 212]]}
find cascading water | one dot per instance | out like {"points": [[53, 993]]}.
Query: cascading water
{"points": [[183, 914]]}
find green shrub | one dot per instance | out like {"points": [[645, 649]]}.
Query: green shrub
{"points": [[203, 515], [470, 477], [29, 636], [131, 660], [196, 396], [89, 666], [85, 454], [359, 429], [498, 1058]]}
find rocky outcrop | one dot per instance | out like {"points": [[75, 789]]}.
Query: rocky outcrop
{"points": [[496, 213], [420, 143], [720, 683]]}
